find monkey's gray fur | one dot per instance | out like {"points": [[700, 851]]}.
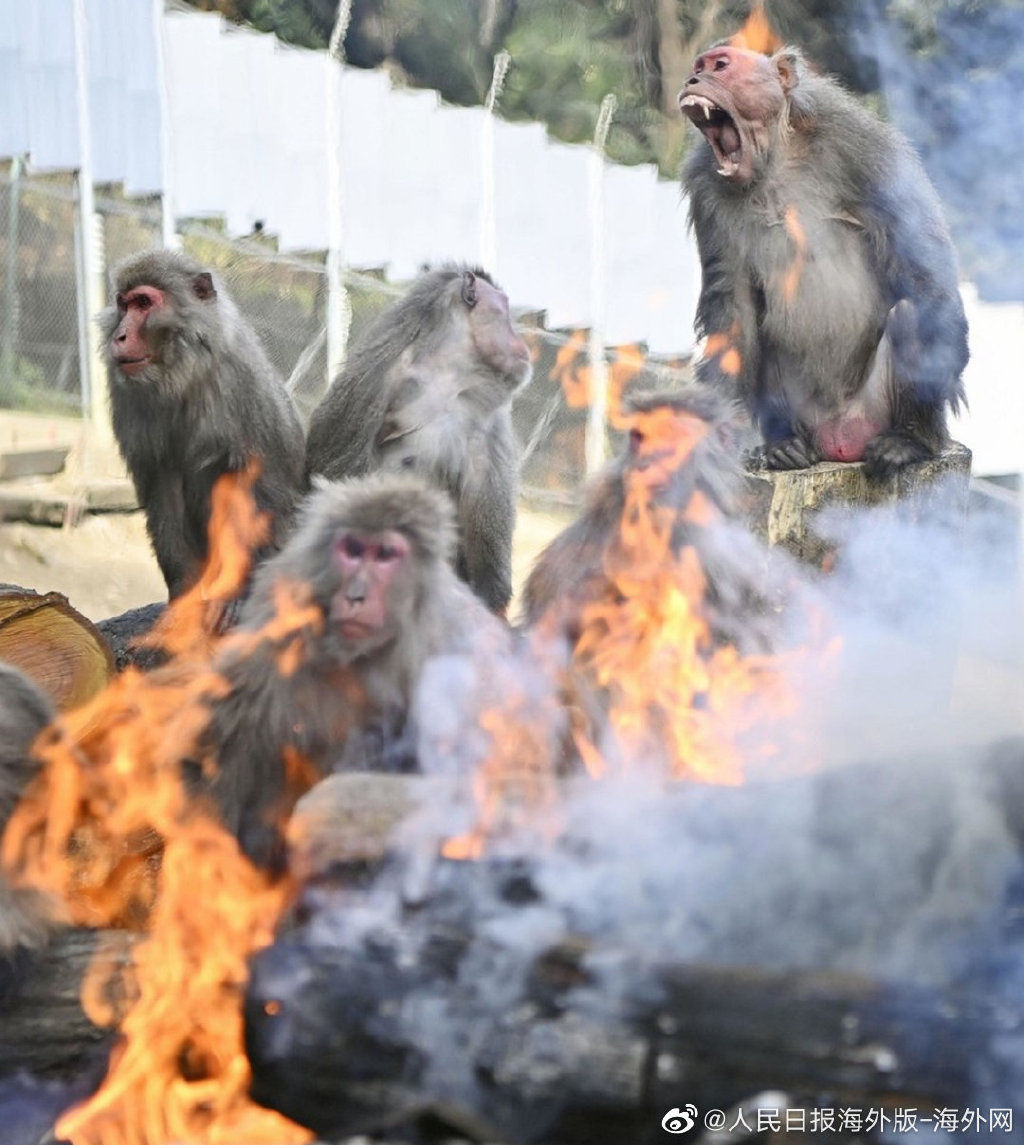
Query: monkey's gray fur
{"points": [[742, 579], [342, 708], [209, 403], [420, 392], [24, 712], [873, 327], [575, 557]]}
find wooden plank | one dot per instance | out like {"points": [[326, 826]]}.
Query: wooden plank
{"points": [[15, 463], [45, 504]]}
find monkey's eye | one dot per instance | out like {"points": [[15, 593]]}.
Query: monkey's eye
{"points": [[636, 439], [142, 301], [352, 547], [469, 289], [387, 553], [721, 64]]}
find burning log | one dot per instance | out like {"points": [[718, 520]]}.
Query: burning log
{"points": [[123, 633], [485, 990], [335, 1038], [43, 1026], [784, 503]]}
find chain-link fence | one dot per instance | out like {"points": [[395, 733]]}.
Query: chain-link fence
{"points": [[284, 296], [39, 321]]}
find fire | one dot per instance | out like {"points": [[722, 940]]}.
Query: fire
{"points": [[573, 374], [795, 230], [757, 34], [651, 681], [515, 788], [577, 378], [111, 830], [236, 530], [722, 345], [673, 691]]}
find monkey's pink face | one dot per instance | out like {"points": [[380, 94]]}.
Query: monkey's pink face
{"points": [[373, 568], [129, 347], [494, 336], [734, 97]]}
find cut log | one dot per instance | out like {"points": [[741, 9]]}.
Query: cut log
{"points": [[349, 818], [783, 504], [54, 644], [335, 1043], [443, 998], [43, 1028], [123, 632]]}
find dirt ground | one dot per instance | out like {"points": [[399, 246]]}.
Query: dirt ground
{"points": [[104, 564]]}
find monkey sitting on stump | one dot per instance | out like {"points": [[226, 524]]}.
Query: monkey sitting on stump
{"points": [[429, 390], [829, 295], [193, 396]]}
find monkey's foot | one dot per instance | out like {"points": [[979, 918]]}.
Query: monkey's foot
{"points": [[893, 450], [786, 453]]}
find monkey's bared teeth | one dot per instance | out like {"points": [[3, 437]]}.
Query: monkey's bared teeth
{"points": [[694, 102]]}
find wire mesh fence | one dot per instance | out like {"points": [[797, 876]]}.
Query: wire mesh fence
{"points": [[284, 296]]}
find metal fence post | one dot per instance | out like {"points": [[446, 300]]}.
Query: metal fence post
{"points": [[595, 441], [168, 234], [9, 345], [339, 309], [89, 233], [488, 215]]}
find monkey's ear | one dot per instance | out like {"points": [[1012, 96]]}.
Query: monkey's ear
{"points": [[469, 289], [788, 66], [202, 286]]}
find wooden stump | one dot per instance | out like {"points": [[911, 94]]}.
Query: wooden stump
{"points": [[784, 503], [54, 644]]}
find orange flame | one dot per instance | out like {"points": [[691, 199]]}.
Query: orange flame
{"points": [[757, 34], [722, 345], [795, 230], [650, 682], [515, 788], [109, 828], [647, 643], [236, 529], [573, 371]]}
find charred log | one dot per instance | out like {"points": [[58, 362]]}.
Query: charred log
{"points": [[337, 1041], [43, 1028], [466, 990], [123, 632]]}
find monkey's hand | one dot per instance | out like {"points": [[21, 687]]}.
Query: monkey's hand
{"points": [[892, 451], [794, 452]]}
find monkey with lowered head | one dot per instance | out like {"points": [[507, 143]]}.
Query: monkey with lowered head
{"points": [[193, 396], [429, 390], [680, 444], [368, 573], [829, 295]]}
